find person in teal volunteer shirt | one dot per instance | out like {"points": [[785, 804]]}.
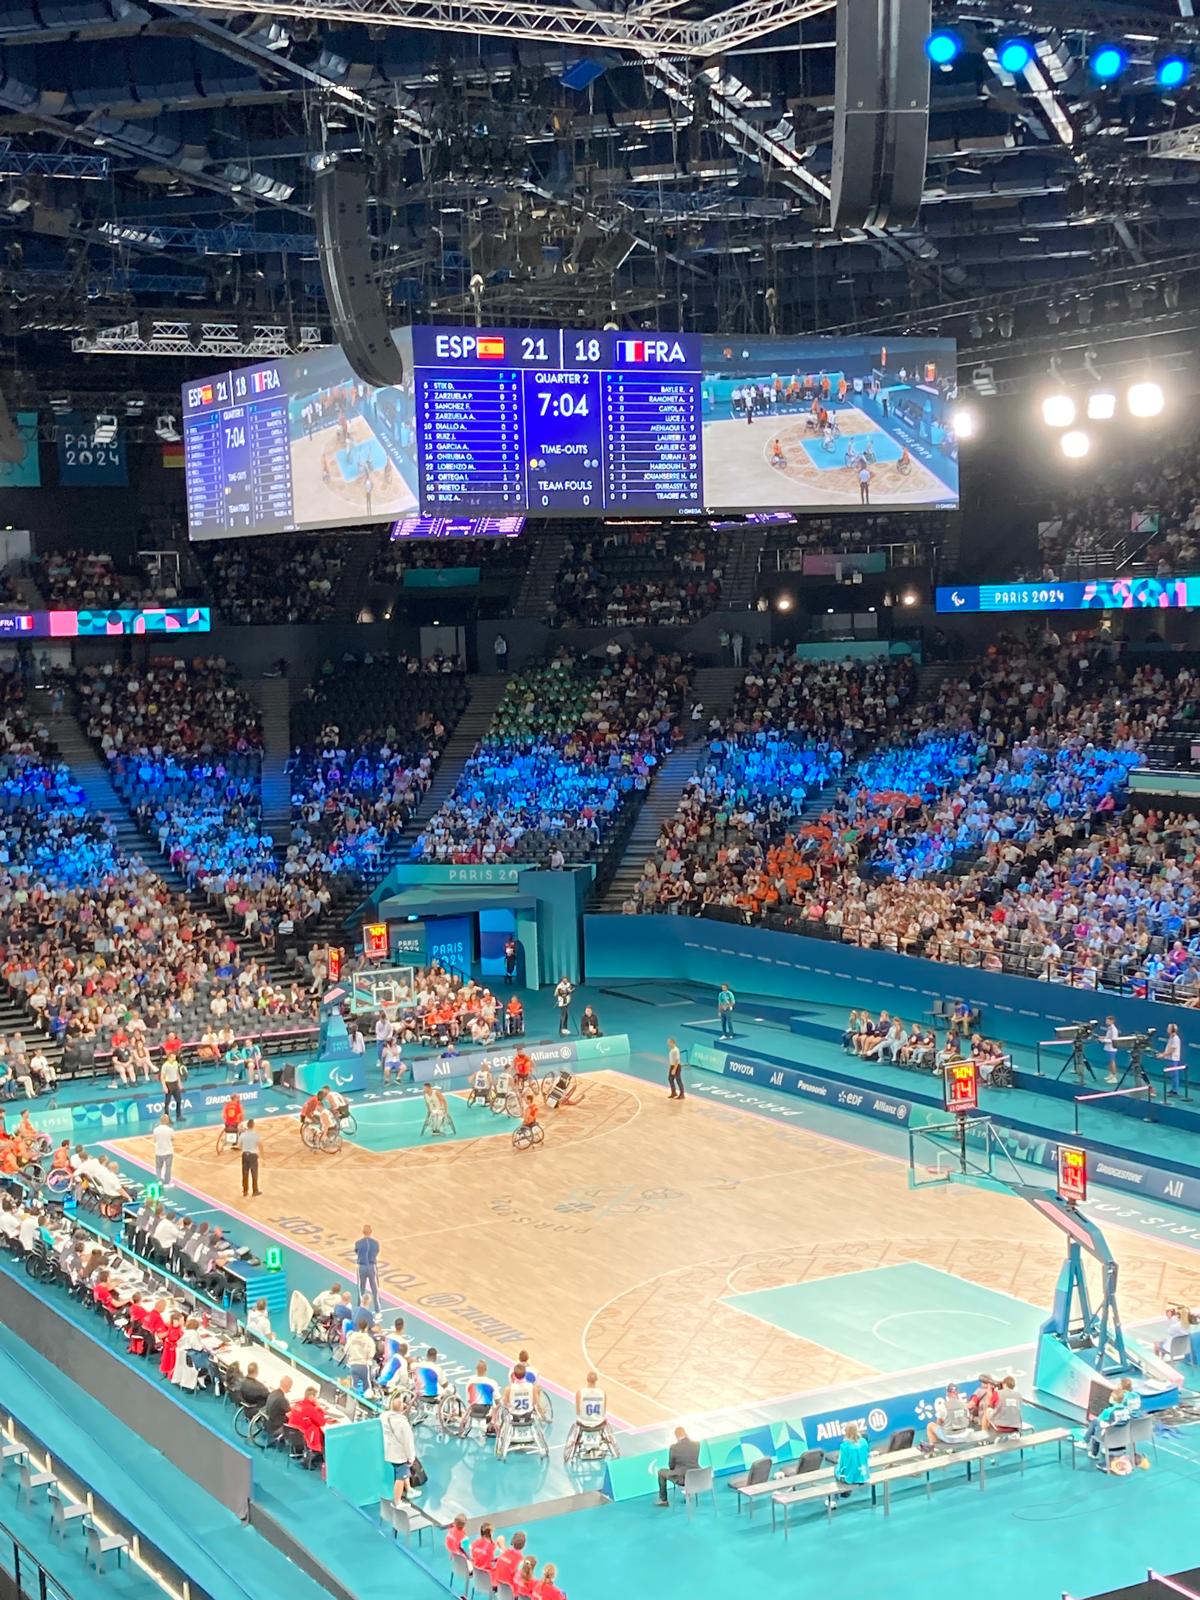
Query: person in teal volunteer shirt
{"points": [[725, 1005], [852, 1466]]}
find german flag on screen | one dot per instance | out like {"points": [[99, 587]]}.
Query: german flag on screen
{"points": [[490, 348], [172, 454]]}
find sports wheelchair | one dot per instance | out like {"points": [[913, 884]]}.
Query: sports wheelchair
{"points": [[590, 1442], [447, 1409], [522, 1432], [315, 1137], [505, 1101]]}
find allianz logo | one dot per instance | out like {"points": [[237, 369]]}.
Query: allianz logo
{"points": [[890, 1108]]}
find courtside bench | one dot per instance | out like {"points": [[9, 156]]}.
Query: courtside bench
{"points": [[894, 1470], [791, 1482]]}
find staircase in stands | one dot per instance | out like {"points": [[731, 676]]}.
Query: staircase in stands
{"points": [[485, 695], [352, 584], [741, 569], [714, 687], [273, 698], [537, 588]]}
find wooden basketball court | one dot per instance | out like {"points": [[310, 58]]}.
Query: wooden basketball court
{"points": [[619, 1242]]}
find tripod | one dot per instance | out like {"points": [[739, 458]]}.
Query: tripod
{"points": [[1077, 1062], [1135, 1069]]}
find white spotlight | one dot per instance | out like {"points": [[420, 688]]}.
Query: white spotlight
{"points": [[1145, 399], [964, 422], [1058, 410], [1102, 405], [1075, 444]]}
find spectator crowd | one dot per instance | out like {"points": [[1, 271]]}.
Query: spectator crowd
{"points": [[285, 578], [572, 740], [648, 574], [990, 827]]}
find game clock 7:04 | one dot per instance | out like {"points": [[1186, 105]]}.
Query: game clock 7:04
{"points": [[561, 404]]}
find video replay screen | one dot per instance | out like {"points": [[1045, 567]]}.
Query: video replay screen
{"points": [[499, 423]]}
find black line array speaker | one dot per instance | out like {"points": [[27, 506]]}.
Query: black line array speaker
{"points": [[13, 448], [881, 112], [360, 322]]}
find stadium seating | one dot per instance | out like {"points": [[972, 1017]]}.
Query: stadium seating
{"points": [[644, 574], [274, 580], [997, 836], [570, 743]]}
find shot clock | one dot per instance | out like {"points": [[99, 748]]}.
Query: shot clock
{"points": [[1072, 1173], [960, 1084]]}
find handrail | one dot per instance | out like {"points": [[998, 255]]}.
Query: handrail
{"points": [[174, 1582], [45, 1578], [1171, 1583]]}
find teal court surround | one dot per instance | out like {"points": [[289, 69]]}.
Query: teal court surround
{"points": [[898, 1317]]}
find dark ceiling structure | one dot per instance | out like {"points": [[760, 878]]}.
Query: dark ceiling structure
{"points": [[661, 165]]}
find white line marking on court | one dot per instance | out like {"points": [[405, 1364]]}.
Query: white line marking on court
{"points": [[929, 1311]]}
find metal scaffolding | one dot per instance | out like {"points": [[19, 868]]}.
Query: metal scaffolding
{"points": [[645, 30], [261, 340]]}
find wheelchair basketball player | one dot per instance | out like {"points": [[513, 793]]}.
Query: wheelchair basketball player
{"points": [[520, 1424], [590, 1438], [482, 1086]]}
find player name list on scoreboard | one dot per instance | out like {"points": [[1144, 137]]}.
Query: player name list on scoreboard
{"points": [[557, 421], [472, 438], [237, 455]]}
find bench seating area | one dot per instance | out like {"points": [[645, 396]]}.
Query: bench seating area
{"points": [[895, 1467]]}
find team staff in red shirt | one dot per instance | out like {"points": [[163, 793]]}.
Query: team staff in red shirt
{"points": [[483, 1550], [548, 1588], [456, 1533], [508, 1561]]}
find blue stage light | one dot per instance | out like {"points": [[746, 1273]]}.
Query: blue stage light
{"points": [[1015, 55], [1172, 71], [943, 47], [1108, 62]]}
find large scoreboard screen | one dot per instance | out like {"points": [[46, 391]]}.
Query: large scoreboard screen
{"points": [[549, 421], [501, 422]]}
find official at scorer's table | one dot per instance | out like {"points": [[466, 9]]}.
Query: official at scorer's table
{"points": [[163, 1313]]}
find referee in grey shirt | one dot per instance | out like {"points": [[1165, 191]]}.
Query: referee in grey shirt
{"points": [[250, 1138]]}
